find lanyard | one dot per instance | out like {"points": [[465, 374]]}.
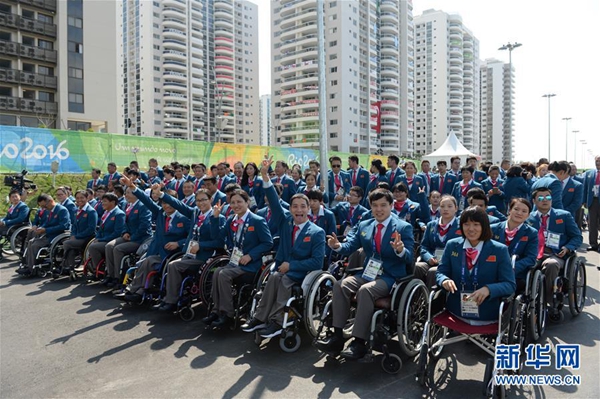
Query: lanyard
{"points": [[240, 243], [197, 227], [462, 273]]}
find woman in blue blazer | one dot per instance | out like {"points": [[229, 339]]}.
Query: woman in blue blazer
{"points": [[521, 239], [253, 185], [514, 185], [475, 270]]}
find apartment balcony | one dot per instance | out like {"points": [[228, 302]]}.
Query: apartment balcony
{"points": [[389, 61], [174, 44], [222, 13], [174, 55], [28, 25], [173, 12], [390, 105], [456, 99], [389, 28], [178, 4], [225, 4], [174, 106], [456, 84], [171, 33], [308, 105], [175, 118], [49, 5], [390, 94], [27, 78], [169, 84], [222, 50], [223, 41], [223, 59], [174, 23], [175, 96], [388, 16], [24, 105], [388, 5], [300, 17], [303, 54]]}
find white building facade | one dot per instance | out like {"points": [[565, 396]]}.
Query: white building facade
{"points": [[265, 120]]}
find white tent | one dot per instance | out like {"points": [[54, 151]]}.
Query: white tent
{"points": [[452, 147]]}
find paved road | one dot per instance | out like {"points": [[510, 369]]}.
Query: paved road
{"points": [[65, 340]]}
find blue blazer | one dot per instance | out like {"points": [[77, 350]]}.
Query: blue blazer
{"points": [[94, 183], [219, 196], [256, 191], [410, 213], [432, 241], [327, 223], [84, 226], [300, 185], [551, 182], [398, 173], [561, 222], [479, 176], [106, 178], [362, 178], [308, 251], [494, 271], [289, 187], [226, 180], [113, 227], [331, 188], [19, 215], [255, 235], [515, 187], [122, 204], [272, 223], [342, 213], [426, 181], [394, 266], [497, 200], [71, 207], [413, 191], [373, 181], [139, 223], [449, 181], [209, 242], [588, 187], [572, 196], [177, 232], [524, 245], [99, 210], [180, 188], [493, 211], [40, 217], [457, 193], [58, 221], [191, 201]]}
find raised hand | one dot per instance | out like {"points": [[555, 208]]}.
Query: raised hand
{"points": [[266, 164], [126, 181], [217, 209], [333, 242], [421, 190], [397, 243], [156, 188]]}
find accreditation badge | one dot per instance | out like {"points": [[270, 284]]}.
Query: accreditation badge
{"points": [[468, 307], [439, 252], [553, 240], [374, 268], [236, 255]]}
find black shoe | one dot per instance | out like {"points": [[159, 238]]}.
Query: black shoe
{"points": [[120, 295], [23, 270], [356, 350], [113, 283], [272, 330], [133, 297], [222, 322], [208, 320], [167, 307], [252, 325], [332, 346], [592, 248], [106, 281]]}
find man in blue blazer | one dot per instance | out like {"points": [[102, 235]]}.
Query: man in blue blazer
{"points": [[358, 175], [552, 181], [171, 231], [591, 195], [493, 186], [394, 170], [210, 183], [223, 177], [320, 215], [111, 226], [95, 181], [179, 181], [300, 252], [558, 236], [349, 213], [138, 228], [57, 222], [443, 181], [338, 184], [572, 195], [112, 174], [267, 214], [18, 213], [462, 187], [83, 229], [388, 245], [426, 175], [478, 175], [62, 198], [247, 237]]}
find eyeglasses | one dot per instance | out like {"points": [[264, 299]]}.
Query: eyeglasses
{"points": [[544, 198], [336, 166]]}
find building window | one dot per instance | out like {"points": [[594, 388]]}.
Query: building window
{"points": [[75, 47], [76, 22], [76, 73], [76, 98]]}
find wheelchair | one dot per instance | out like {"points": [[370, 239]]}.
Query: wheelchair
{"points": [[440, 321], [130, 260], [303, 308], [85, 269], [531, 304], [13, 241], [570, 286], [50, 257]]}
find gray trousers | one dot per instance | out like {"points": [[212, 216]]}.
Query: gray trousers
{"points": [[426, 273], [594, 222], [367, 292], [97, 253], [70, 247], [114, 252], [175, 272], [142, 272], [551, 266], [276, 294], [221, 288], [33, 246]]}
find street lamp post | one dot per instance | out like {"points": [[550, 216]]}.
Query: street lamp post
{"points": [[549, 96], [583, 143], [510, 47], [566, 136], [575, 146]]}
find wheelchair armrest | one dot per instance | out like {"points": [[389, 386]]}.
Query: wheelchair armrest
{"points": [[354, 270], [437, 299]]}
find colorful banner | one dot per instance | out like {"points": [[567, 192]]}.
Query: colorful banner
{"points": [[36, 150]]}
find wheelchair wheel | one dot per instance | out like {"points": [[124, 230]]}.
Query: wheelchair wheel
{"points": [[290, 343], [206, 277], [17, 239], [537, 312], [319, 294], [577, 286], [437, 333], [391, 363], [412, 316], [187, 313], [556, 316], [6, 247]]}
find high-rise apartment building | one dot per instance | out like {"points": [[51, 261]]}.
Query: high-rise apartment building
{"points": [[369, 75], [190, 69], [497, 82], [58, 64], [265, 120], [447, 82]]}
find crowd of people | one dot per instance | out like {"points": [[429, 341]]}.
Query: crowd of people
{"points": [[467, 220]]}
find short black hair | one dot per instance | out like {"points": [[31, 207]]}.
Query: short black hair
{"points": [[540, 190], [478, 196], [442, 162], [315, 195], [358, 190], [353, 158], [110, 197], [242, 194], [516, 200], [400, 186], [302, 197], [477, 215], [394, 158], [231, 187], [467, 169], [44, 197], [380, 193], [559, 166]]}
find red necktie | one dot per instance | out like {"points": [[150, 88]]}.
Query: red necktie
{"points": [[12, 207], [235, 225], [463, 189], [128, 210], [196, 185], [239, 180], [200, 220], [441, 184], [494, 182], [251, 183], [351, 213], [228, 212], [443, 229], [409, 181], [104, 217], [220, 183], [338, 183], [471, 255], [278, 180], [510, 234], [428, 179], [79, 212], [392, 174], [110, 177], [177, 185], [378, 238], [269, 215], [597, 182], [294, 231], [167, 222], [541, 236], [354, 178]]}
